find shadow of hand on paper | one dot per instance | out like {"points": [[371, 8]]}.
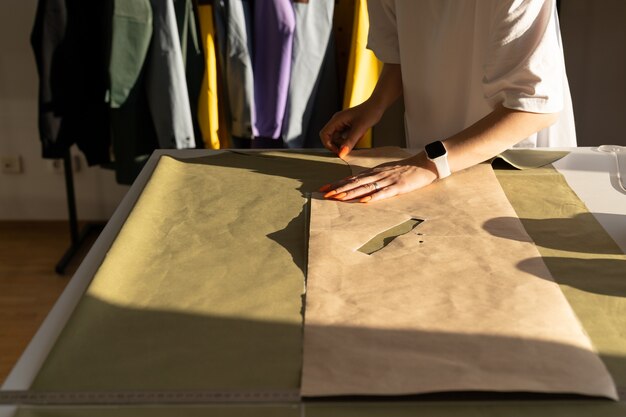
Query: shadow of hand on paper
{"points": [[576, 234]]}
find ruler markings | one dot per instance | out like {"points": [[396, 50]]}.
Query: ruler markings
{"points": [[146, 397]]}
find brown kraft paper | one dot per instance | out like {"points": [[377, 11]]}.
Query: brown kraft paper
{"points": [[444, 307]]}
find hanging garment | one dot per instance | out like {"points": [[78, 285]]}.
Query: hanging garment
{"points": [[149, 96], [313, 50], [233, 21], [166, 82], [274, 26], [70, 43], [327, 100], [133, 137], [225, 126], [131, 35], [133, 32], [363, 67], [193, 58], [343, 21], [208, 114]]}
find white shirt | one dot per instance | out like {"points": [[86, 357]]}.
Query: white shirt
{"points": [[460, 58]]}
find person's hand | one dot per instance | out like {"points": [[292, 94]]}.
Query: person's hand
{"points": [[345, 128], [384, 181]]}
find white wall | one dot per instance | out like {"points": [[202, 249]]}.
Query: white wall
{"points": [[37, 193]]}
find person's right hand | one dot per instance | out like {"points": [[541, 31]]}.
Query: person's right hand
{"points": [[345, 128]]}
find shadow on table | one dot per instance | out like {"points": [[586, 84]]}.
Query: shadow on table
{"points": [[598, 276], [312, 169], [107, 347], [577, 251], [576, 234]]}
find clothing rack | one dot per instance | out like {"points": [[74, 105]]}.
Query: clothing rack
{"points": [[77, 238]]}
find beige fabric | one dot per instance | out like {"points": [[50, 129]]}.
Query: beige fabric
{"points": [[447, 310]]}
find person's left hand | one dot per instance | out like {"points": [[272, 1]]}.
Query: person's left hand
{"points": [[384, 181]]}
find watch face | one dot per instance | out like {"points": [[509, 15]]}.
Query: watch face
{"points": [[435, 150]]}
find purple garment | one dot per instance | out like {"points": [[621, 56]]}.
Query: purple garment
{"points": [[274, 27]]}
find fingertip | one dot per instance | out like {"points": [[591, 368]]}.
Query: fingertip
{"points": [[344, 151], [330, 194], [366, 199], [327, 141], [324, 188]]}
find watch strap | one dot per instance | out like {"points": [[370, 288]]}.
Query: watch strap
{"points": [[438, 154]]}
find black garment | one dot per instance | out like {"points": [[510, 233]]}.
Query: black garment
{"points": [[70, 39], [143, 117], [133, 137], [261, 142]]}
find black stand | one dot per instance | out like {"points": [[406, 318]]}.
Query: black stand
{"points": [[77, 238]]}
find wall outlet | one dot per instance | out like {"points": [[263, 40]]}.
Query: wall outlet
{"points": [[11, 164], [58, 167]]}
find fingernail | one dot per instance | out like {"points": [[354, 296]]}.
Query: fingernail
{"points": [[366, 199], [344, 151], [330, 193], [340, 196], [324, 188]]}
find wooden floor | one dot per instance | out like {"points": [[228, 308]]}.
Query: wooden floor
{"points": [[29, 286]]}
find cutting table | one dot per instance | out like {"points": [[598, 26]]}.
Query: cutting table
{"points": [[591, 174]]}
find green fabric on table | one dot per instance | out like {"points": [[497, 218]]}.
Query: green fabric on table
{"points": [[152, 337], [383, 239], [554, 408], [372, 409], [582, 257], [202, 287]]}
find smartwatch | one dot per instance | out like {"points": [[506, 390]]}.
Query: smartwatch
{"points": [[438, 154]]}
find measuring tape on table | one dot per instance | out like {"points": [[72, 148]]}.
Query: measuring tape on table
{"points": [[147, 397]]}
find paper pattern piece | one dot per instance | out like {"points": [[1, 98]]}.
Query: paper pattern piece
{"points": [[530, 158], [202, 287], [448, 310]]}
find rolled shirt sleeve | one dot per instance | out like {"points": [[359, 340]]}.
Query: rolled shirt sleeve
{"points": [[524, 66]]}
